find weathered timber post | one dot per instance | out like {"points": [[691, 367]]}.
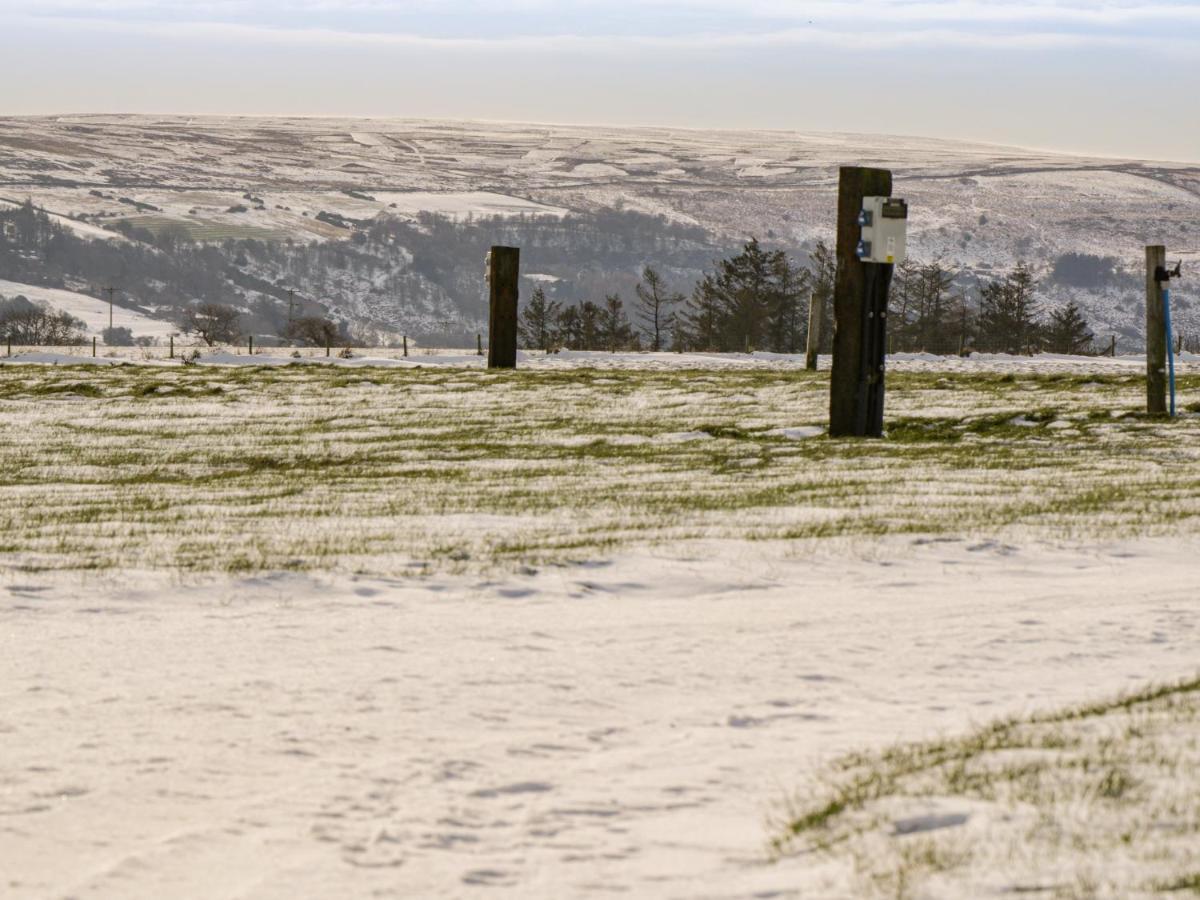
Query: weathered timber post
{"points": [[814, 331], [328, 343], [859, 314], [93, 346], [479, 345], [504, 275], [251, 345], [406, 346], [171, 338], [1156, 334], [1112, 349]]}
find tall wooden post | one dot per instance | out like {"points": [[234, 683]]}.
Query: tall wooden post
{"points": [[814, 332], [406, 346], [1156, 334], [859, 314], [502, 308], [172, 340]]}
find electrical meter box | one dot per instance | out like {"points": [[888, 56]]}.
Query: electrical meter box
{"points": [[884, 222]]}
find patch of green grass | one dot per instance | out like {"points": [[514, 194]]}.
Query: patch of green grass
{"points": [[371, 468]]}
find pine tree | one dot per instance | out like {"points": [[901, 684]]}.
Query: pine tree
{"points": [[589, 326], [787, 325], [698, 327], [568, 332], [823, 265], [655, 302], [1068, 331], [1008, 314], [537, 322], [934, 327], [615, 331]]}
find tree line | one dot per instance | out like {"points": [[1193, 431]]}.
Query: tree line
{"points": [[758, 299]]}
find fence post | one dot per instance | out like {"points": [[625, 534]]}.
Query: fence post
{"points": [[327, 343], [859, 313], [172, 340], [93, 346], [1112, 349], [406, 346], [502, 307], [1156, 334], [478, 344], [251, 345], [814, 332]]}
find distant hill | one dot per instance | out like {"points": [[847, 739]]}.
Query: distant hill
{"points": [[401, 209]]}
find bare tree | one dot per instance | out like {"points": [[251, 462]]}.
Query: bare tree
{"points": [[216, 323]]}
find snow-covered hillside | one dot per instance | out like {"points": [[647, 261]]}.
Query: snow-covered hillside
{"points": [[980, 208], [92, 312]]}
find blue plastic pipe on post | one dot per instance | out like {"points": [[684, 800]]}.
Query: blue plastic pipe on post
{"points": [[1170, 349]]}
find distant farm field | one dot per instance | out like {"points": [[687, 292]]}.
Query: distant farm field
{"points": [[385, 471]]}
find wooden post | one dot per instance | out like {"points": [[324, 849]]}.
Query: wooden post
{"points": [[328, 341], [172, 340], [406, 346], [478, 344], [502, 308], [859, 314], [1112, 350], [251, 345], [1156, 334], [814, 332], [93, 346]]}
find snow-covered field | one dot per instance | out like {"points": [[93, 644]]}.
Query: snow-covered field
{"points": [[279, 631], [628, 727]]}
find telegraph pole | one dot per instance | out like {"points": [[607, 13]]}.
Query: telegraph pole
{"points": [[110, 291]]}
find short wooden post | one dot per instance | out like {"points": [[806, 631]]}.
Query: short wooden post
{"points": [[171, 338], [1156, 334], [478, 344], [10, 345], [1112, 349], [251, 345], [814, 331], [328, 342], [93, 346], [406, 346], [502, 308], [859, 314]]}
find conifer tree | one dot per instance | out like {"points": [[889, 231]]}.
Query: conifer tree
{"points": [[615, 331], [1067, 331], [655, 303], [537, 323]]}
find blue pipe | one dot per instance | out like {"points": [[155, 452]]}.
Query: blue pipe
{"points": [[1170, 348]]}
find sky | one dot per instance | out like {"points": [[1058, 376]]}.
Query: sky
{"points": [[1105, 78]]}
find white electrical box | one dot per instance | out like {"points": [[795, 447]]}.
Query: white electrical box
{"points": [[884, 222]]}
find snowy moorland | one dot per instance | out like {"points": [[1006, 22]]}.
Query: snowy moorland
{"points": [[420, 629], [978, 208]]}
